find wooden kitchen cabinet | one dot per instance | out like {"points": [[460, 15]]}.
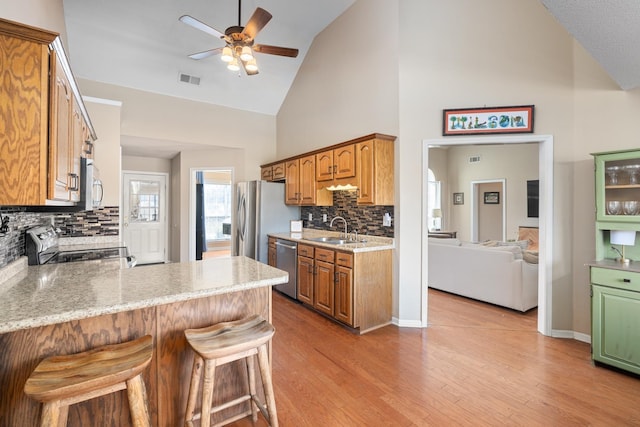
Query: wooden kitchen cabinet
{"points": [[305, 274], [375, 177], [343, 289], [300, 184], [278, 172], [324, 281], [272, 252], [40, 145], [336, 164], [266, 173]]}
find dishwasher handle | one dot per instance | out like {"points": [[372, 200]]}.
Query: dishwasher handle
{"points": [[286, 246]]}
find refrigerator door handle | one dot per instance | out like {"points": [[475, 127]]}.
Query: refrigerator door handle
{"points": [[242, 217]]}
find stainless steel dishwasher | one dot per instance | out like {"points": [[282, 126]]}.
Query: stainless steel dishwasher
{"points": [[287, 260]]}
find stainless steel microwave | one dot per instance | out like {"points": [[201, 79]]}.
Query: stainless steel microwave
{"points": [[91, 190]]}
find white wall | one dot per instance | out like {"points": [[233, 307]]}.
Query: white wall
{"points": [[515, 164], [146, 164], [45, 14]]}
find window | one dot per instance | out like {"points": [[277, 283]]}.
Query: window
{"points": [[217, 210], [434, 214]]}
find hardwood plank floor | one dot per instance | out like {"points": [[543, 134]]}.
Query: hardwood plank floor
{"points": [[476, 365]]}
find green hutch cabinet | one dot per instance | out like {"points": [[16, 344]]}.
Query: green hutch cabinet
{"points": [[615, 283]]}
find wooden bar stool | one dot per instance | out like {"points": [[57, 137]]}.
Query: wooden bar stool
{"points": [[60, 381], [223, 343]]}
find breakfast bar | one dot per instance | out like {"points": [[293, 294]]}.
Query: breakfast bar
{"points": [[69, 308]]}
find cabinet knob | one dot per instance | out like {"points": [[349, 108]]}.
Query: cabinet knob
{"points": [[626, 280]]}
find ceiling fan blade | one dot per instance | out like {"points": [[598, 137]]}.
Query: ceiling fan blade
{"points": [[257, 22], [275, 50], [198, 25], [206, 53]]}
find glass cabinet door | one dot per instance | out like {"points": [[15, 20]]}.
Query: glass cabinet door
{"points": [[618, 187]]}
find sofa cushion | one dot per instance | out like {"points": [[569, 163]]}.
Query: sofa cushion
{"points": [[524, 244], [514, 249]]}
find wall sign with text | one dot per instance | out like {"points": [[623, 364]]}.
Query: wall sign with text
{"points": [[469, 121]]}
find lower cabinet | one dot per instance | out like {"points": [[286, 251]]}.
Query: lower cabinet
{"points": [[615, 324], [325, 282], [271, 252]]}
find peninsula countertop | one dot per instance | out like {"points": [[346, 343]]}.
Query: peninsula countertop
{"points": [[365, 243], [50, 294]]}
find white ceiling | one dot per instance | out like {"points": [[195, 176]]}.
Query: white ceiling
{"points": [[141, 44], [609, 30]]}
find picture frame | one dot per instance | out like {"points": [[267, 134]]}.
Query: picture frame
{"points": [[487, 120], [491, 198], [458, 198]]}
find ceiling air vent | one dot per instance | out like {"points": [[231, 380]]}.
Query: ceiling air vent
{"points": [[186, 78], [474, 159]]}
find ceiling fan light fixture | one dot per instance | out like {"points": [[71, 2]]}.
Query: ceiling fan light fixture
{"points": [[251, 65], [227, 54], [246, 54], [234, 65]]}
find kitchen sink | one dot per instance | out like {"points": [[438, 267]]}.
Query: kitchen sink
{"points": [[333, 240], [328, 240]]}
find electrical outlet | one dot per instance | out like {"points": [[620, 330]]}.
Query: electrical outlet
{"points": [[324, 217], [310, 217], [386, 220]]}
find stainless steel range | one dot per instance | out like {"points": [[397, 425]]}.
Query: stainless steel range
{"points": [[42, 244]]}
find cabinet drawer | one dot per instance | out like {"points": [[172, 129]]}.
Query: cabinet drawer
{"points": [[344, 259], [324, 255], [616, 278], [305, 250]]}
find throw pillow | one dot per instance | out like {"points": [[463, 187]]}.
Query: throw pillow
{"points": [[524, 244], [530, 256], [452, 242]]}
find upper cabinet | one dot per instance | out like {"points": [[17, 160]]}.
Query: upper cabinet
{"points": [[365, 165], [618, 186], [300, 184], [374, 164], [273, 172], [45, 122]]}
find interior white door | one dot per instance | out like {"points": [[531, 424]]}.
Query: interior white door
{"points": [[144, 216]]}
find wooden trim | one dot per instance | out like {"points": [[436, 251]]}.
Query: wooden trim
{"points": [[26, 32], [332, 147]]}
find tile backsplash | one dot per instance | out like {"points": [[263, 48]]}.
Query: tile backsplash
{"points": [[365, 219], [99, 222]]}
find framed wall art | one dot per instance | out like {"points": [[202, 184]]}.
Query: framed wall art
{"points": [[491, 198], [487, 120], [458, 198]]}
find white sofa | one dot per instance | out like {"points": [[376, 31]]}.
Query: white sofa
{"points": [[497, 275]]}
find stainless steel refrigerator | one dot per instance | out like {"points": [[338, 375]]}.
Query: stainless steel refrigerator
{"points": [[260, 209]]}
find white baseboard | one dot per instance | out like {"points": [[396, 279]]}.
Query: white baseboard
{"points": [[406, 323], [571, 335]]}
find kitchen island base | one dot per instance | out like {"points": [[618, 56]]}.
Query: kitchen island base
{"points": [[167, 377]]}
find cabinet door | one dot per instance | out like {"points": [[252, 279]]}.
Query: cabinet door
{"points": [[24, 93], [60, 143], [277, 173], [292, 184], [324, 166], [343, 295], [616, 327], [305, 280], [266, 173], [344, 160], [365, 167], [324, 287], [272, 252], [308, 180], [618, 187]]}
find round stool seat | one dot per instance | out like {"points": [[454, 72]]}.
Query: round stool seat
{"points": [[60, 381]]}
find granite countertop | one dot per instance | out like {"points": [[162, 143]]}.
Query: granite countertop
{"points": [[43, 295], [371, 243]]}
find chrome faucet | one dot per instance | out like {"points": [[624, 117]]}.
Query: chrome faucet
{"points": [[346, 236]]}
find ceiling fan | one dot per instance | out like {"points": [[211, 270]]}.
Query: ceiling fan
{"points": [[239, 40]]}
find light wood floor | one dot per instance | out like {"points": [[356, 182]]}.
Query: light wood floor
{"points": [[476, 365]]}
